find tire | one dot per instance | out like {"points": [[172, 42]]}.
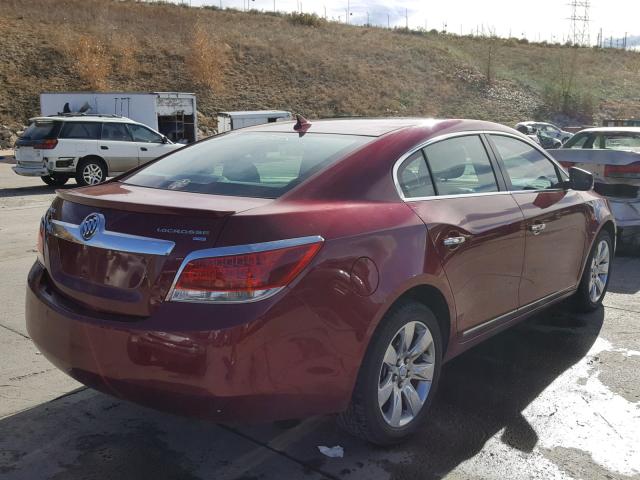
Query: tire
{"points": [[595, 281], [55, 180], [365, 417], [91, 171]]}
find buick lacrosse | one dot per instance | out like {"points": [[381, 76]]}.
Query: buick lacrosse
{"points": [[333, 266]]}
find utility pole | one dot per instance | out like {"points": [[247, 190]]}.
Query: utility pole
{"points": [[406, 18], [348, 12], [388, 21], [368, 24], [580, 22]]}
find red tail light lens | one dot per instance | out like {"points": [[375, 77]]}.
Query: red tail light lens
{"points": [[623, 171], [245, 276], [40, 244], [46, 144]]}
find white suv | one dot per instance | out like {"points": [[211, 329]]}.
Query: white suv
{"points": [[87, 147]]}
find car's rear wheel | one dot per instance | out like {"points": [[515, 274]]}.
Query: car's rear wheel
{"points": [[595, 278], [398, 378], [55, 180], [91, 171]]}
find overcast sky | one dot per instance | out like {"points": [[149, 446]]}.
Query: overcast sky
{"points": [[544, 19]]}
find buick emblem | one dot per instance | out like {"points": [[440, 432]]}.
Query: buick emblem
{"points": [[90, 225]]}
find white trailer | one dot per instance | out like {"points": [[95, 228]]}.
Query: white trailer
{"points": [[173, 114], [234, 120]]}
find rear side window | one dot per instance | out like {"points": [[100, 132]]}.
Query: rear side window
{"points": [[526, 167], [41, 130], [81, 130], [115, 131], [414, 178], [461, 166], [249, 164]]}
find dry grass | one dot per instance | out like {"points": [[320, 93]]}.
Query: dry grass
{"points": [[207, 59], [89, 57], [326, 70]]}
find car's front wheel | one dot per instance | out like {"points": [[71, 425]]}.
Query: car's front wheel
{"points": [[398, 378], [55, 180], [595, 278], [91, 171]]}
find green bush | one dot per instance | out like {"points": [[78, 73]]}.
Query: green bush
{"points": [[306, 19]]}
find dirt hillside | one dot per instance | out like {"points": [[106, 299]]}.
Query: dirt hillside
{"points": [[236, 60]]}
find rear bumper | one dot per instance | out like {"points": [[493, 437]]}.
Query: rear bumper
{"points": [[255, 371], [29, 171]]}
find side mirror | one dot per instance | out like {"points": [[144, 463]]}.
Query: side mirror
{"points": [[165, 139], [580, 179]]}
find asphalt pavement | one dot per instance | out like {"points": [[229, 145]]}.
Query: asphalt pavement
{"points": [[556, 397]]}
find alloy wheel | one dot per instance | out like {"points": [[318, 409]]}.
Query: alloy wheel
{"points": [[599, 271], [92, 174], [406, 374]]}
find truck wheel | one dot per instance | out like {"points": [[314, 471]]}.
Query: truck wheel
{"points": [[90, 171], [596, 275], [398, 377], [55, 180]]}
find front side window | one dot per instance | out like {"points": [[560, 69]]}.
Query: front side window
{"points": [[143, 134], [115, 131], [81, 130], [526, 167], [413, 177], [581, 140], [461, 166], [247, 164]]}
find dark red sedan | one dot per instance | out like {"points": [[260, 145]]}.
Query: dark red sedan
{"points": [[283, 271]]}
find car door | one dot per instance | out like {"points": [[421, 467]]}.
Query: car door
{"points": [[473, 224], [117, 148], [555, 219], [149, 144]]}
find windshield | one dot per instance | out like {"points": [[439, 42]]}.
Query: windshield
{"points": [[247, 164]]}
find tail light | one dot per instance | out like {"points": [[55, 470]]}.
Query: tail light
{"points": [[46, 144], [242, 274], [40, 244], [623, 171], [567, 164]]}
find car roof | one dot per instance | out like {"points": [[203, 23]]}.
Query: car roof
{"points": [[611, 130], [83, 118], [376, 127]]}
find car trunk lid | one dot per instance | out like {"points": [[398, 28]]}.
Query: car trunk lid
{"points": [[124, 257]]}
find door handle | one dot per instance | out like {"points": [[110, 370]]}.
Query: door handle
{"points": [[537, 228], [454, 241], [144, 149], [104, 147]]}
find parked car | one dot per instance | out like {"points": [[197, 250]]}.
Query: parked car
{"points": [[87, 147], [612, 154], [539, 138], [285, 270], [548, 130]]}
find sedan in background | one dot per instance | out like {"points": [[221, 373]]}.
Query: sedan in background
{"points": [[288, 270], [548, 130], [612, 154]]}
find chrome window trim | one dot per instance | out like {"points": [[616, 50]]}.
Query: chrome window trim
{"points": [[238, 250], [105, 239], [439, 138]]}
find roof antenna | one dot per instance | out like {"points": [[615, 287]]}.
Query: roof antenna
{"points": [[302, 124]]}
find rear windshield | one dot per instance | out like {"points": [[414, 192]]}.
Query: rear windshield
{"points": [[247, 164], [41, 130]]}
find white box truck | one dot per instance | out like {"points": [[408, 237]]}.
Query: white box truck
{"points": [[173, 114], [234, 120]]}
